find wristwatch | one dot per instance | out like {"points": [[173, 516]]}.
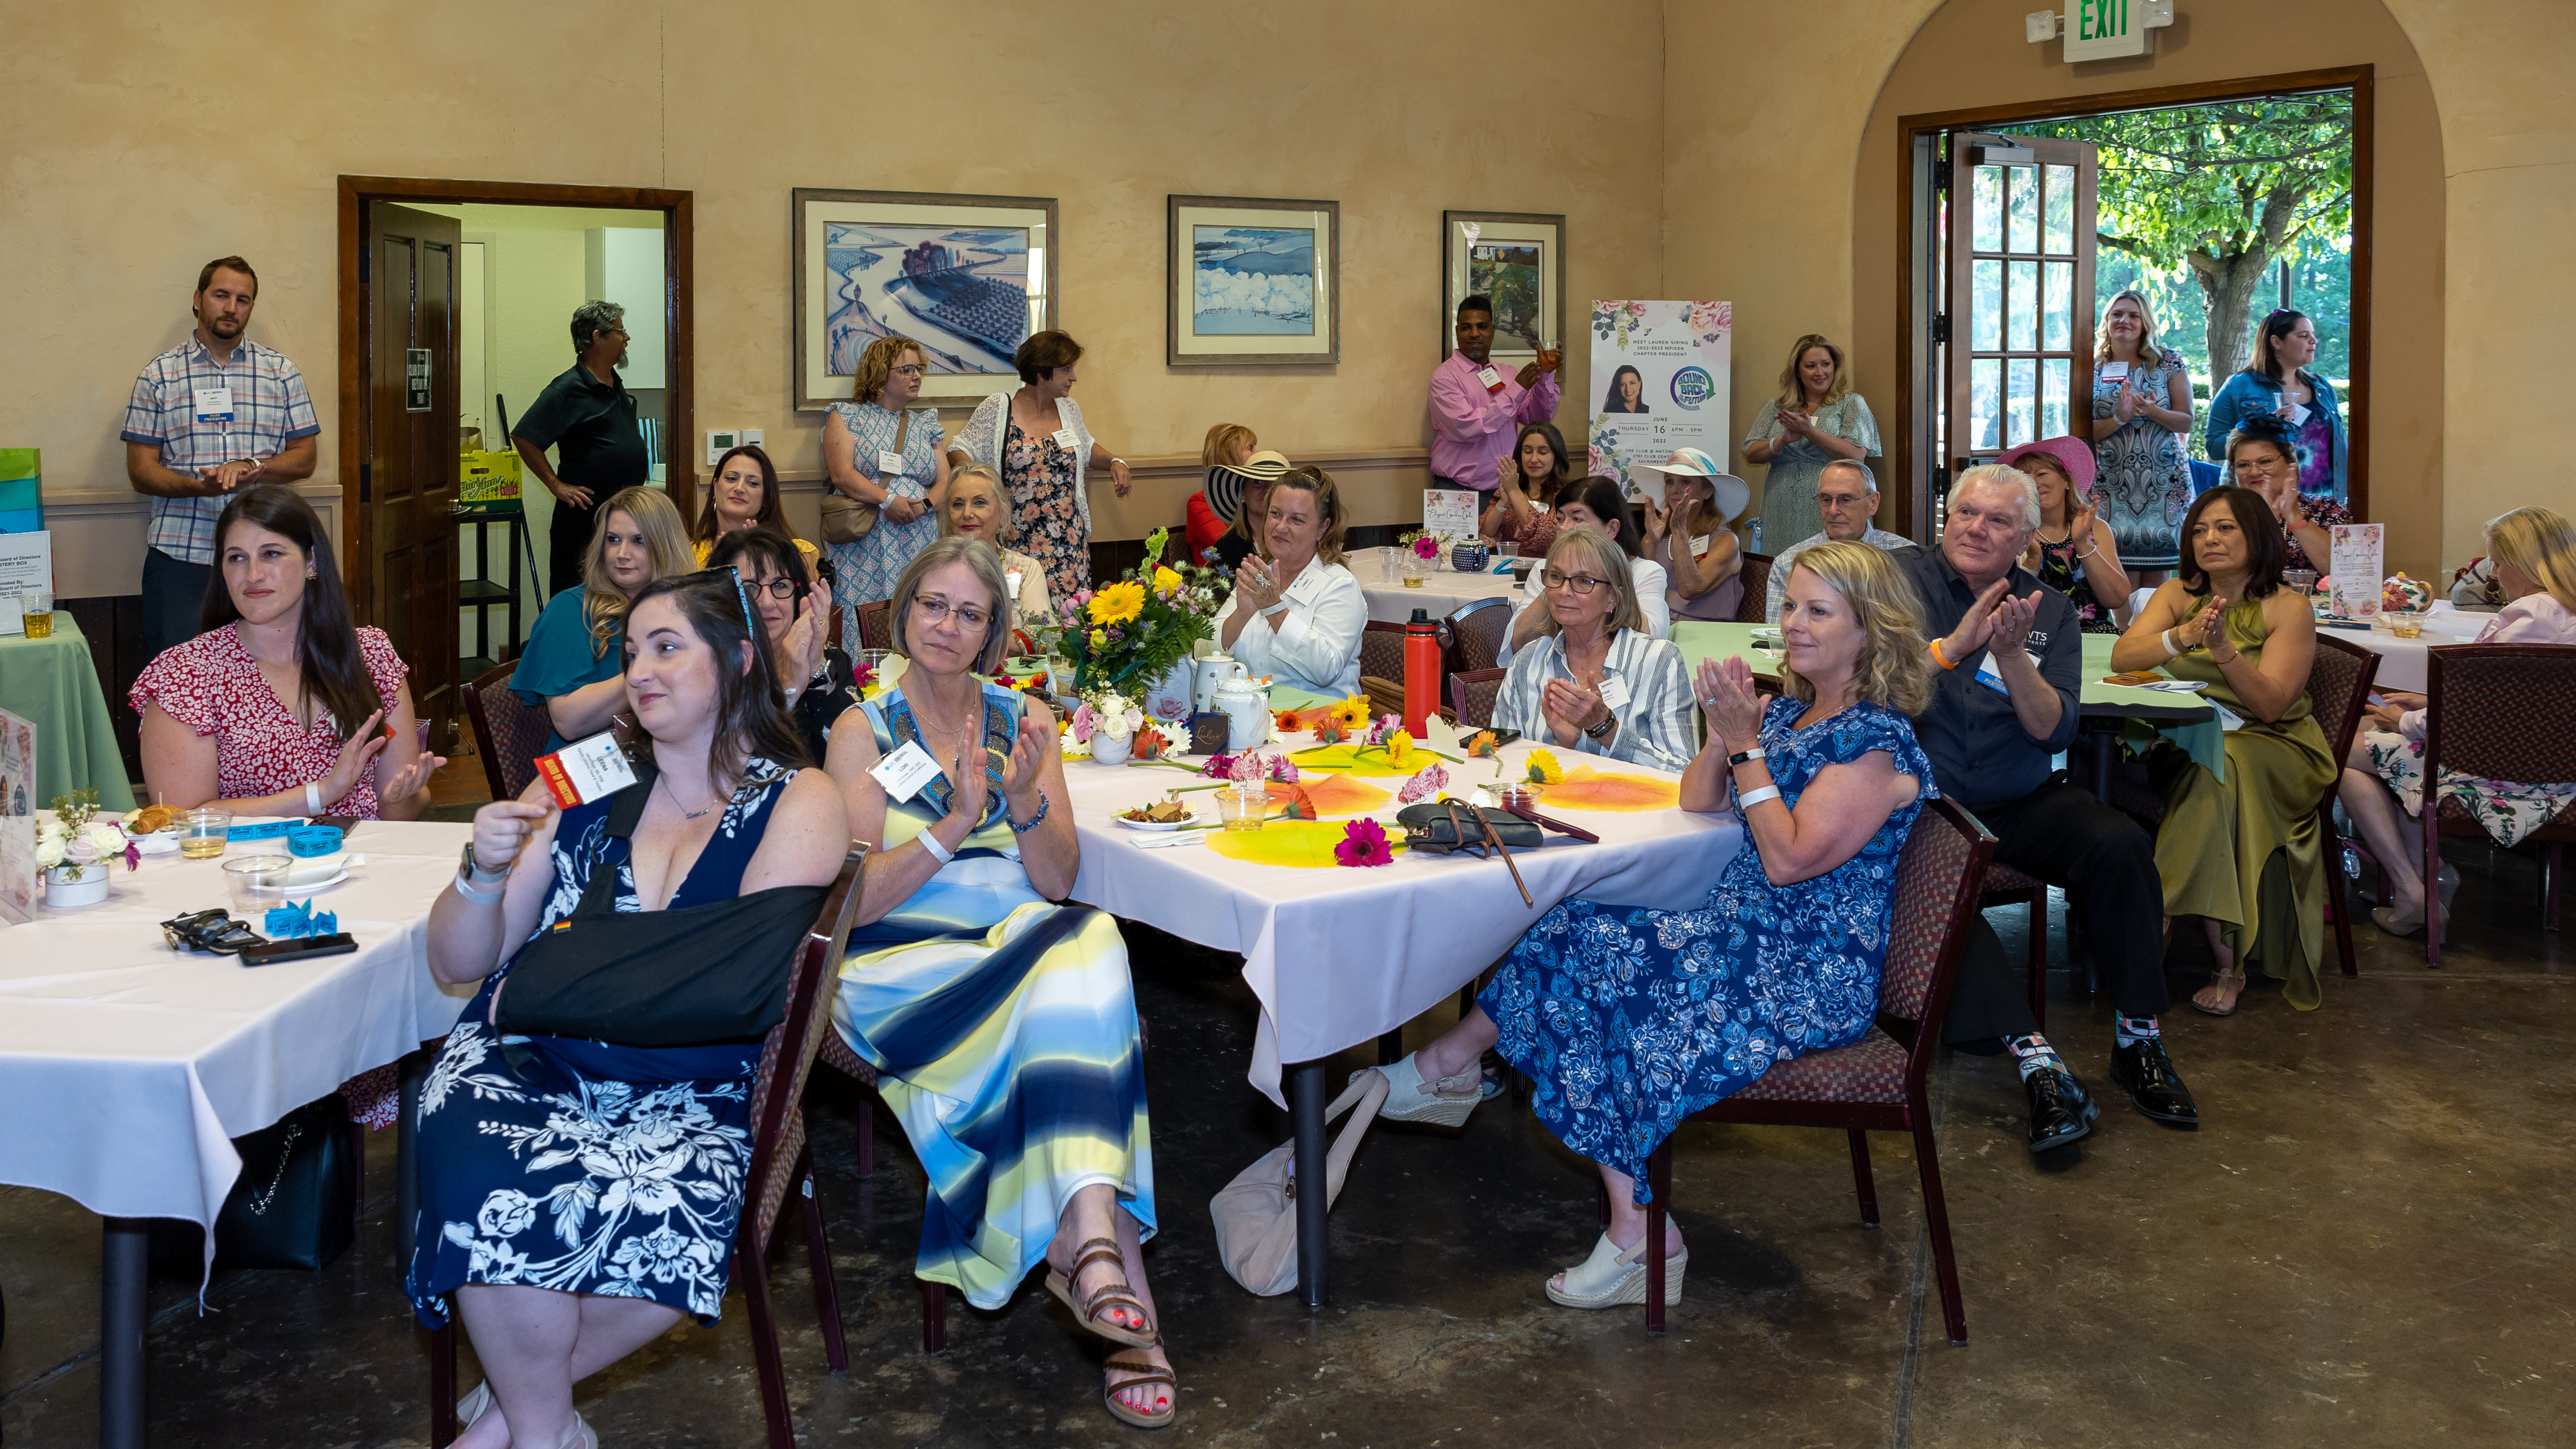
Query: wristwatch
{"points": [[1602, 730], [472, 878], [1755, 753]]}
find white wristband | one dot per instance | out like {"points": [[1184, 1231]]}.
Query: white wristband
{"points": [[1752, 798], [938, 852], [312, 797], [2172, 649], [480, 898]]}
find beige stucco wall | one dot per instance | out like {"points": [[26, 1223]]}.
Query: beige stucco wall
{"points": [[150, 136]]}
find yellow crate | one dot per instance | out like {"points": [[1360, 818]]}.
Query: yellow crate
{"points": [[487, 477]]}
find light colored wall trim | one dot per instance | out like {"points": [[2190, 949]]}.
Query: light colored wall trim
{"points": [[1382, 485], [99, 533]]}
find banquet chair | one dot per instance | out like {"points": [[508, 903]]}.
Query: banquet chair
{"points": [[1881, 1083], [1757, 589], [782, 1161], [2006, 886], [2486, 708], [837, 1055], [1386, 696], [2338, 691], [1473, 635], [1382, 650], [876, 624], [508, 734], [1472, 694]]}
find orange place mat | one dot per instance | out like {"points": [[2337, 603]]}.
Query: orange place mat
{"points": [[1332, 794], [1303, 844], [1585, 788], [1362, 760]]}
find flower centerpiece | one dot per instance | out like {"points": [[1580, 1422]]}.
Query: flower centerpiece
{"points": [[1107, 722], [74, 846], [1129, 635], [1422, 550]]}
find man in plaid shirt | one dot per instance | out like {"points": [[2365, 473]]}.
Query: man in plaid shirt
{"points": [[213, 415]]}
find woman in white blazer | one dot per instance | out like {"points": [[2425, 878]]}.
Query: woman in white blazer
{"points": [[1298, 614]]}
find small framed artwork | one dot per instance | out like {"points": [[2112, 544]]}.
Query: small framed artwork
{"points": [[967, 277], [1254, 282], [1517, 259]]}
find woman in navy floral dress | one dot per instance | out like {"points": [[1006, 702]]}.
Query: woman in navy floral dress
{"points": [[1629, 1019], [579, 1198]]}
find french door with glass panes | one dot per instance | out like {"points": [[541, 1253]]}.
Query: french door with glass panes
{"points": [[2017, 318]]}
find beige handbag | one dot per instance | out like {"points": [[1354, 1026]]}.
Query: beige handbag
{"points": [[846, 519], [1256, 1214]]}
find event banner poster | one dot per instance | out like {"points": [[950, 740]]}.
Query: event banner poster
{"points": [[17, 818], [1659, 382]]}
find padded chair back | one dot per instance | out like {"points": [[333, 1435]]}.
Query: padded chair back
{"points": [[1939, 876], [2500, 711], [1757, 589], [508, 734], [2339, 688], [1476, 634], [1472, 693], [1382, 650], [876, 624], [787, 1056]]}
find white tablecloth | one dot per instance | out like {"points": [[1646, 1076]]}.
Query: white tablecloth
{"points": [[1339, 956], [127, 1067], [2401, 661], [1443, 592]]}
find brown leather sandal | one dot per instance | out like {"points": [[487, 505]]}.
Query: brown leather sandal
{"points": [[1107, 1295], [1144, 1373]]}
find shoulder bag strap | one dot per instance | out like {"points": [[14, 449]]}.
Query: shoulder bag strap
{"points": [[599, 898], [902, 429], [1363, 1098]]}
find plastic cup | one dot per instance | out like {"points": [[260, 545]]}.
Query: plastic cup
{"points": [[1240, 810], [2405, 623], [256, 880], [202, 832]]}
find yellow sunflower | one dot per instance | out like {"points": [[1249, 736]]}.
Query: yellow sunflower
{"points": [[1399, 750], [1543, 768], [1352, 714], [1166, 582], [1118, 603]]}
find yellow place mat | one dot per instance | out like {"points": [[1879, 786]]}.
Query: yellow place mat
{"points": [[1332, 794], [1360, 760], [1303, 844], [1585, 788]]}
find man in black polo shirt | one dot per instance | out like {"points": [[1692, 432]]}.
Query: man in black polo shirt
{"points": [[2011, 661], [588, 417]]}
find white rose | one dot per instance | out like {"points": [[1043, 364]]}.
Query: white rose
{"points": [[105, 838], [48, 828], [49, 851]]}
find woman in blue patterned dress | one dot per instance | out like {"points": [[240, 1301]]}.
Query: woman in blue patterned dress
{"points": [[2141, 411], [1001, 1021], [858, 452], [579, 1198], [1631, 1019]]}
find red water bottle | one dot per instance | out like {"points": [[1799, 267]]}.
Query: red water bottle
{"points": [[1421, 671]]}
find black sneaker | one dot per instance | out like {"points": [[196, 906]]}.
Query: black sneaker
{"points": [[2142, 1070]]}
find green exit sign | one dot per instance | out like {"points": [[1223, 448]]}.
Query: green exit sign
{"points": [[2103, 29]]}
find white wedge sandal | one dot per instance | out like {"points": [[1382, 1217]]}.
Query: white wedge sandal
{"points": [[1610, 1277]]}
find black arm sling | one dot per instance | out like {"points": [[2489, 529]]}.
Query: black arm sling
{"points": [[697, 976]]}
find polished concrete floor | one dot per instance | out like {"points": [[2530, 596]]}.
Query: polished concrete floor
{"points": [[2369, 1243]]}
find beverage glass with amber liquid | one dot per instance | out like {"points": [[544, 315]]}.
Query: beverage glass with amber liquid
{"points": [[39, 610], [203, 831]]}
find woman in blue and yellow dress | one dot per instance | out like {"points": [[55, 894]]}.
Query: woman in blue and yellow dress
{"points": [[579, 1198], [1002, 1023], [1630, 1019]]}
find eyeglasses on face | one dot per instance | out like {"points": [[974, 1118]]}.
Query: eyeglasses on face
{"points": [[968, 617], [908, 369], [775, 588], [1579, 583], [1839, 500]]}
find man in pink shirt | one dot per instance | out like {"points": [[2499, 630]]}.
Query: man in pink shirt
{"points": [[1476, 411]]}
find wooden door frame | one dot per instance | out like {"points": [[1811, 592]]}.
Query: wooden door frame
{"points": [[1913, 226], [678, 261]]}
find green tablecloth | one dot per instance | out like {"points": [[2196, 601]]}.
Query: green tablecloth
{"points": [[52, 683], [2181, 718]]}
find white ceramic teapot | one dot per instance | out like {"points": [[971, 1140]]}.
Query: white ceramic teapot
{"points": [[1246, 706], [1214, 672]]}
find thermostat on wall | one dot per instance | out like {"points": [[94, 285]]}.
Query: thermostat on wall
{"points": [[718, 444]]}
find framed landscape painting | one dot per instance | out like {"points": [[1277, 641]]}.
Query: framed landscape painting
{"points": [[1253, 281], [1516, 258], [967, 277]]}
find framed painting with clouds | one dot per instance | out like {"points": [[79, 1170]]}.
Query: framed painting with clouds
{"points": [[967, 277], [1253, 282]]}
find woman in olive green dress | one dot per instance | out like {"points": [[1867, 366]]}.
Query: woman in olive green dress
{"points": [[2243, 854]]}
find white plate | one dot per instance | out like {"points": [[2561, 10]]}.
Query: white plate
{"points": [[1155, 825], [159, 843], [283, 892]]}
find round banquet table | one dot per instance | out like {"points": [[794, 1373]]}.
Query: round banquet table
{"points": [[1443, 592], [2402, 661], [52, 684]]}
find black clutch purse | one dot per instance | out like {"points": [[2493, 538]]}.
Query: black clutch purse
{"points": [[1446, 825]]}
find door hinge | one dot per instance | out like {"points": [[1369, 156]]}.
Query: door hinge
{"points": [[1940, 327], [366, 482]]}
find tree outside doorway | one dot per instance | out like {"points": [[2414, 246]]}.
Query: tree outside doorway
{"points": [[2217, 212]]}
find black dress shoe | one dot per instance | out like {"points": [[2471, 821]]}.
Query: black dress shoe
{"points": [[2061, 1111], [2142, 1070]]}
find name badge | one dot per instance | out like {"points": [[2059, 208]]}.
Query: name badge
{"points": [[889, 463], [2113, 371], [214, 404], [1012, 577], [1065, 439], [1993, 678], [904, 772], [585, 770], [2294, 414], [1492, 380], [1614, 693]]}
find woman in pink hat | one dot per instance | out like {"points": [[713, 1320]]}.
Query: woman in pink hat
{"points": [[2072, 551]]}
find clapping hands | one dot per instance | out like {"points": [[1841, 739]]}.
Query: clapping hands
{"points": [[1733, 706], [1572, 707]]}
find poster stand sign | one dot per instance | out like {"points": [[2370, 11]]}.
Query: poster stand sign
{"points": [[1660, 375], [17, 818]]}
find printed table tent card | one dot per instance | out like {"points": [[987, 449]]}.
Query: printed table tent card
{"points": [[2358, 551], [1450, 513]]}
